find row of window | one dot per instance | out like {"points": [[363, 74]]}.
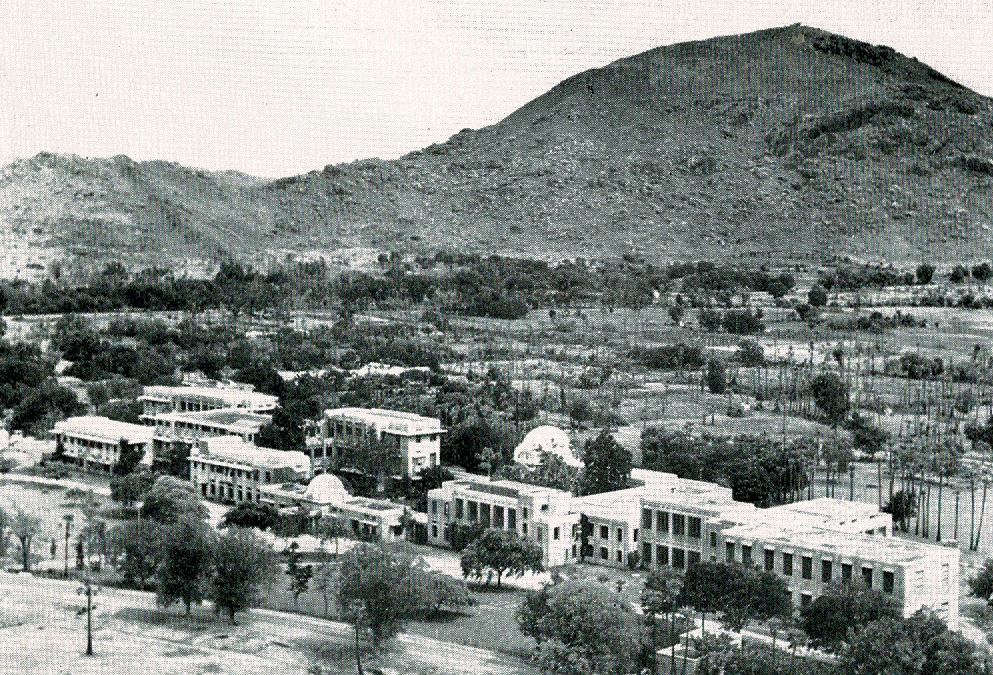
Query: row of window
{"points": [[233, 473], [681, 525], [679, 559], [483, 513], [807, 567], [605, 533]]}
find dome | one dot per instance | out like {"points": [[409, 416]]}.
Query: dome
{"points": [[326, 488], [550, 439]]}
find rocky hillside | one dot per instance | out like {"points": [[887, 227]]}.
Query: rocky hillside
{"points": [[786, 143]]}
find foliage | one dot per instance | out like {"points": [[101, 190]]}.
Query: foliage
{"points": [[551, 471], [439, 590], [606, 465], [831, 396], [188, 547], [925, 272], [378, 590], [170, 500], [136, 546], [503, 552], [755, 595], [580, 626], [817, 296], [131, 487], [750, 353], [298, 573], [244, 565], [251, 514], [742, 322], [841, 612], [25, 526], [122, 411], [903, 507], [981, 583], [716, 376], [867, 437], [669, 357], [128, 459], [463, 535], [43, 406]]}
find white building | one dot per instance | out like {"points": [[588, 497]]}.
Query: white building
{"points": [[172, 429], [158, 399], [414, 440], [542, 514], [227, 469], [95, 443], [548, 439]]}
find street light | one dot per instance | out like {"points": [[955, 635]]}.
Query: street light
{"points": [[68, 519]]}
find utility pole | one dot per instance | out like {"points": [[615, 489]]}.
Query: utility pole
{"points": [[68, 519]]}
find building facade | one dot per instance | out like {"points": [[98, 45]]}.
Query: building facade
{"points": [[159, 399], [413, 442], [543, 515], [95, 443], [181, 431], [228, 470]]}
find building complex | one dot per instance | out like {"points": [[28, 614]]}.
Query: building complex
{"points": [[96, 443]]}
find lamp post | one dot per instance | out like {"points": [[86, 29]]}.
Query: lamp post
{"points": [[68, 519]]}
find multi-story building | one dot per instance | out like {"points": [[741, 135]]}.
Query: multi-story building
{"points": [[917, 575], [227, 469], [832, 514], [413, 441], [612, 533], [96, 443], [542, 514], [158, 399], [173, 430]]}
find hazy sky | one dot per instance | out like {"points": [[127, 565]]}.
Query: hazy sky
{"points": [[281, 87]]}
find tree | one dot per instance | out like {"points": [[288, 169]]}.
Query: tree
{"points": [[25, 527], [982, 272], [251, 514], [866, 436], [607, 465], [716, 376], [43, 406], [903, 507], [378, 590], [187, 561], [817, 296], [129, 458], [244, 564], [707, 586], [676, 313], [583, 627], [842, 611], [440, 590], [831, 395], [756, 595], [136, 545], [131, 487], [329, 527], [170, 499], [552, 471], [299, 575], [502, 551], [981, 584], [777, 289], [925, 272], [750, 353]]}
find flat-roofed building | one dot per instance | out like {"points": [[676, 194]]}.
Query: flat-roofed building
{"points": [[158, 399], [226, 469], [832, 514], [173, 430], [915, 574], [612, 538], [544, 515], [95, 443], [413, 440]]}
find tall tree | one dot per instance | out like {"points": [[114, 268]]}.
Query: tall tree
{"points": [[835, 617], [831, 396], [187, 562], [244, 565], [25, 526], [503, 552], [170, 499], [136, 547], [299, 573], [607, 465]]}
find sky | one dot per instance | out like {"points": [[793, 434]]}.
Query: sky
{"points": [[280, 87]]}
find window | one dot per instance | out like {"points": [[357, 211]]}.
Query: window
{"points": [[619, 557], [634, 534], [805, 599], [484, 514], [770, 560], [498, 516], [434, 531], [807, 568], [524, 513], [512, 519], [604, 553], [678, 558], [695, 529], [446, 510], [729, 551], [555, 534], [846, 572], [646, 553], [867, 577], [788, 564], [678, 524], [662, 554], [746, 555], [646, 519], [434, 507], [663, 521], [887, 582], [713, 540], [692, 557], [473, 511], [604, 532], [524, 529], [826, 571], [620, 535]]}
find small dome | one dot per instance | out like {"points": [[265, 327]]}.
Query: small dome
{"points": [[326, 488], [550, 439]]}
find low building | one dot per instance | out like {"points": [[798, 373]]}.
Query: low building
{"points": [[413, 440], [226, 469], [542, 514], [832, 514], [95, 443], [183, 430], [325, 495], [916, 575], [158, 399]]}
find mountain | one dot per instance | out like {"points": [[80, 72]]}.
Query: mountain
{"points": [[789, 143]]}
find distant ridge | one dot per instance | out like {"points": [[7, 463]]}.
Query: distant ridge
{"points": [[785, 143]]}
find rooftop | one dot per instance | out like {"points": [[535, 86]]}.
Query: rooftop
{"points": [[392, 421], [825, 509], [234, 449], [238, 419], [618, 505], [231, 396], [893, 550], [507, 488], [104, 429]]}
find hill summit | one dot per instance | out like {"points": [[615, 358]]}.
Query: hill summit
{"points": [[788, 143]]}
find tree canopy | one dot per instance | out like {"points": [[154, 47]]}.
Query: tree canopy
{"points": [[503, 552], [607, 465]]}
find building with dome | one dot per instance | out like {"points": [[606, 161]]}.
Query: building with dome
{"points": [[550, 439]]}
